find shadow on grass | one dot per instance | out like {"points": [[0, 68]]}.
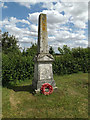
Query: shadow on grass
{"points": [[27, 88]]}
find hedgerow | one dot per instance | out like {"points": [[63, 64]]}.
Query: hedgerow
{"points": [[18, 66], [73, 62]]}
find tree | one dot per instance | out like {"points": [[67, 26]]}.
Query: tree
{"points": [[60, 50], [32, 51], [51, 50], [64, 50], [9, 43]]}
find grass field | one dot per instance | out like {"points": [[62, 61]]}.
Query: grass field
{"points": [[70, 100]]}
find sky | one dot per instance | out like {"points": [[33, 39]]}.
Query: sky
{"points": [[67, 21]]}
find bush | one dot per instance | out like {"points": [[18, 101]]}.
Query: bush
{"points": [[18, 66], [71, 62]]}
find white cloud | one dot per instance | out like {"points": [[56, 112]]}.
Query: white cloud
{"points": [[48, 3], [59, 33], [13, 20], [34, 28], [89, 10], [31, 1], [81, 43], [2, 5], [78, 12], [74, 1], [45, 1], [23, 34], [13, 30], [5, 6], [26, 4], [80, 24], [24, 21], [54, 17], [33, 17], [48, 6]]}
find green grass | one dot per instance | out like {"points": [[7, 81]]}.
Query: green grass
{"points": [[70, 100]]}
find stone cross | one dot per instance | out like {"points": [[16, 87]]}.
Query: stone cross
{"points": [[43, 72]]}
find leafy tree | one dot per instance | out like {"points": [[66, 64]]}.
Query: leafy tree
{"points": [[60, 50], [64, 50], [32, 51], [51, 50], [9, 43]]}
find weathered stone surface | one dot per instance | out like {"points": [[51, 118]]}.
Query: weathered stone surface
{"points": [[44, 57], [43, 72], [42, 34]]}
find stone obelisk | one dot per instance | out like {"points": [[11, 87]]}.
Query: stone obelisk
{"points": [[43, 72]]}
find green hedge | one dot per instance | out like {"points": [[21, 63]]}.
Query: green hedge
{"points": [[17, 67], [73, 62]]}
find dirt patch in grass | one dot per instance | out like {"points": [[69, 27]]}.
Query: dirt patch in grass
{"points": [[13, 100]]}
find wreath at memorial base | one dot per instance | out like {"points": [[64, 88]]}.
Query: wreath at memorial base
{"points": [[46, 89]]}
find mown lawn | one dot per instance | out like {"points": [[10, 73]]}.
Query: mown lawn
{"points": [[70, 100]]}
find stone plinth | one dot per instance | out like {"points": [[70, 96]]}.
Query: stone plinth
{"points": [[43, 72]]}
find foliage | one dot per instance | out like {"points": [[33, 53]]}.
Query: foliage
{"points": [[32, 51], [71, 61], [9, 43], [51, 50], [18, 66], [64, 50]]}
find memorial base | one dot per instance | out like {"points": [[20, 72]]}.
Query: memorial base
{"points": [[43, 72]]}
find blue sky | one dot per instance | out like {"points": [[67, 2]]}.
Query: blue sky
{"points": [[67, 22]]}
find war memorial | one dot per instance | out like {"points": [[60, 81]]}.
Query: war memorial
{"points": [[43, 72]]}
